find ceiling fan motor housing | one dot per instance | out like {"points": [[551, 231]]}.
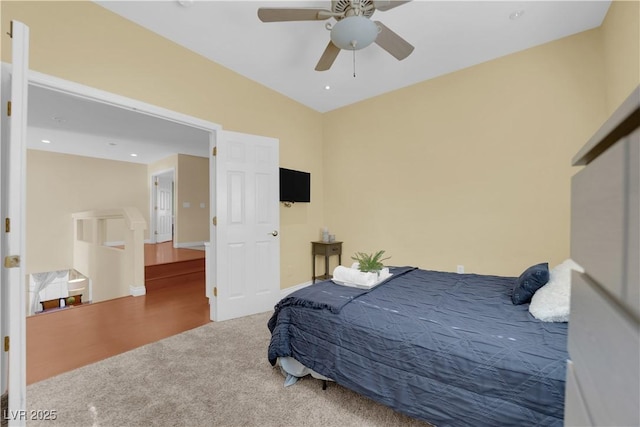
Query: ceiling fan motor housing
{"points": [[344, 7]]}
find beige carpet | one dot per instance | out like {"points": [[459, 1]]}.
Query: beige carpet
{"points": [[214, 375]]}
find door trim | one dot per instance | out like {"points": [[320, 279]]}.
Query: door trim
{"points": [[65, 86], [13, 207]]}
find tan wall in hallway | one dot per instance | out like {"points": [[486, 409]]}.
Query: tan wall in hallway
{"points": [[85, 43], [59, 185], [163, 165], [193, 188], [471, 168]]}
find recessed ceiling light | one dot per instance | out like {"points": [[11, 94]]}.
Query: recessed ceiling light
{"points": [[46, 141], [133, 155], [327, 87], [517, 14]]}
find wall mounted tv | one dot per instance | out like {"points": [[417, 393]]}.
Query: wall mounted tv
{"points": [[295, 186]]}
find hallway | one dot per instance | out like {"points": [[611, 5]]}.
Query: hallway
{"points": [[66, 339]]}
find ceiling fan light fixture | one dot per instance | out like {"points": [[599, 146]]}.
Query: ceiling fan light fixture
{"points": [[354, 33]]}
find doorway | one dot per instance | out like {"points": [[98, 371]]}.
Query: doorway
{"points": [[241, 168], [112, 108], [162, 207], [102, 172]]}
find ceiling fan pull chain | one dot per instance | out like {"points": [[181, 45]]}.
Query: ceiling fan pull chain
{"points": [[354, 63]]}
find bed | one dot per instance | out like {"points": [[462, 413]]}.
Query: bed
{"points": [[450, 349]]}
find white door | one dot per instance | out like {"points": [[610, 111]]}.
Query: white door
{"points": [[164, 208], [13, 179], [247, 277]]}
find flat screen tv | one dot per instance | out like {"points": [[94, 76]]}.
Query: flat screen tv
{"points": [[295, 186]]}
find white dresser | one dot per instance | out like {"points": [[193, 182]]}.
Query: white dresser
{"points": [[603, 374]]}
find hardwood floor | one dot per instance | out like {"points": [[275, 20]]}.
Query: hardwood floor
{"points": [[63, 340], [163, 263], [162, 253]]}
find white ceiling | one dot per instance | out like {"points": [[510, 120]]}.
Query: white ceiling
{"points": [[447, 35], [78, 126]]}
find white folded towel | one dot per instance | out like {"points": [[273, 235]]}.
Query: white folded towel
{"points": [[354, 277]]}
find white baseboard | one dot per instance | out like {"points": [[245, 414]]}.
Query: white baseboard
{"points": [[137, 291], [286, 291], [188, 244], [121, 242]]}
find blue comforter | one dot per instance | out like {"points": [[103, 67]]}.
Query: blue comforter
{"points": [[447, 348]]}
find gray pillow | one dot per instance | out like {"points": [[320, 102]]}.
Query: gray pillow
{"points": [[532, 279]]}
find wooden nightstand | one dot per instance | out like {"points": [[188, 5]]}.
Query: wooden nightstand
{"points": [[324, 249]]}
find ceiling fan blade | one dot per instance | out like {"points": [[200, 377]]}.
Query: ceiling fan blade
{"points": [[326, 60], [393, 43], [267, 14], [388, 4]]}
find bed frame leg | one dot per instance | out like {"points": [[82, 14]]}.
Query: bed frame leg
{"points": [[324, 384]]}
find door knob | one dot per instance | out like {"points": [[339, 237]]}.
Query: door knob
{"points": [[274, 233]]}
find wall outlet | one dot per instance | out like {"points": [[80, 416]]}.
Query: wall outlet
{"points": [[460, 269]]}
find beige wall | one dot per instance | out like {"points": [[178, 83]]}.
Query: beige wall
{"points": [[621, 39], [164, 165], [192, 186], [59, 185], [85, 43], [472, 168]]}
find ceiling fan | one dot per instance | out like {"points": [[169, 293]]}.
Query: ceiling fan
{"points": [[354, 30]]}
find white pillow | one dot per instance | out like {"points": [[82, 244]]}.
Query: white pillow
{"points": [[550, 303]]}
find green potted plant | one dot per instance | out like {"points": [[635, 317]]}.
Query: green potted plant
{"points": [[370, 263]]}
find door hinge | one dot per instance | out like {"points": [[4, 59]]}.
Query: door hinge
{"points": [[9, 108], [155, 183], [10, 33], [215, 220], [215, 291], [215, 151], [12, 261], [7, 225], [6, 343]]}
